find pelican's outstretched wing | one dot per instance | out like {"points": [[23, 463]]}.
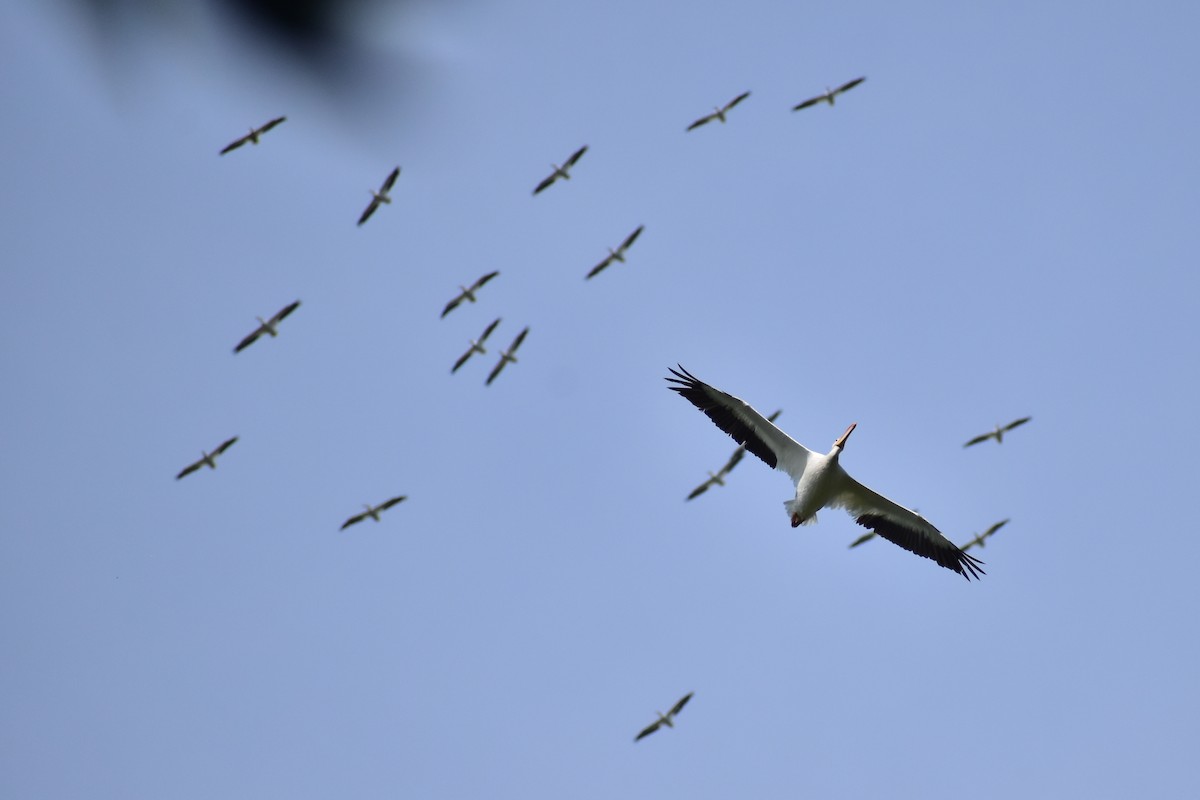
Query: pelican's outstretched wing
{"points": [[702, 121], [596, 270], [249, 340], [190, 468], [675, 709], [981, 438], [747, 427], [578, 154], [701, 489], [236, 143], [631, 238], [901, 526], [386, 505], [225, 445], [354, 520], [848, 85], [981, 538], [390, 181], [1016, 423], [646, 731], [283, 312], [735, 101], [866, 537]]}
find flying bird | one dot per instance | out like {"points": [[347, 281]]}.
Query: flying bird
{"points": [[373, 511], [616, 255], [476, 346], [979, 539], [667, 719], [829, 95], [561, 172], [718, 478], [268, 326], [507, 355], [820, 480], [718, 113], [998, 434], [468, 293], [252, 136], [207, 458], [381, 196]]}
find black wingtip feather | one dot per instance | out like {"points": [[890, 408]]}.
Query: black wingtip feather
{"points": [[948, 556], [695, 392]]}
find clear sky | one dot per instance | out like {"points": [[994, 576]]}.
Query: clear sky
{"points": [[1001, 221]]}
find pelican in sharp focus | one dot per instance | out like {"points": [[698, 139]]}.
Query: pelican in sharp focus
{"points": [[269, 326], [718, 113], [998, 434], [252, 136], [561, 172], [820, 480], [207, 458], [468, 293], [381, 196], [507, 355], [476, 346], [718, 478], [980, 538], [667, 719], [373, 511], [616, 255], [829, 94]]}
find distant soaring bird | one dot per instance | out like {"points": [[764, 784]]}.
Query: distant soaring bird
{"points": [[979, 540], [468, 293], [207, 458], [381, 196], [829, 95], [820, 480], [998, 434], [476, 346], [561, 172], [253, 135], [718, 112], [616, 255], [667, 719], [718, 478], [507, 355], [268, 326], [373, 511]]}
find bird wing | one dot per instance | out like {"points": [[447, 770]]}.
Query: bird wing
{"points": [[735, 101], [225, 445], [483, 279], [702, 121], [488, 330], [812, 101], [701, 489], [646, 731], [845, 87], [495, 371], [453, 304], [271, 124], [355, 519], [747, 427], [1016, 423], [189, 469], [512, 348], [546, 182], [578, 154], [235, 144], [283, 312], [392, 502], [631, 238], [733, 461], [596, 270], [249, 340], [993, 529], [462, 360], [391, 180], [981, 438], [901, 526], [675, 709], [370, 209], [866, 537]]}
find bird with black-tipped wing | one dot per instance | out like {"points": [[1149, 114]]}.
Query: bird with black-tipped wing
{"points": [[616, 255], [719, 112], [267, 326], [507, 356], [667, 719], [476, 346], [468, 292], [373, 511], [718, 478], [998, 433], [982, 537], [829, 95], [560, 171], [381, 196], [207, 459], [252, 136]]}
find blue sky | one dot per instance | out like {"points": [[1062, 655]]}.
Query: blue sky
{"points": [[999, 222]]}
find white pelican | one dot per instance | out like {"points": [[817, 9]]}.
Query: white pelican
{"points": [[468, 293], [507, 355], [718, 113], [381, 196], [561, 172], [718, 478], [373, 511], [269, 326], [207, 458], [616, 255], [252, 136], [829, 94], [998, 434], [820, 480], [979, 539], [667, 719], [476, 346]]}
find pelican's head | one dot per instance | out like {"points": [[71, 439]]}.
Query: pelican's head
{"points": [[840, 442]]}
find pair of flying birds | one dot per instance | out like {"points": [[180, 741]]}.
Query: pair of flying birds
{"points": [[506, 356], [719, 112]]}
